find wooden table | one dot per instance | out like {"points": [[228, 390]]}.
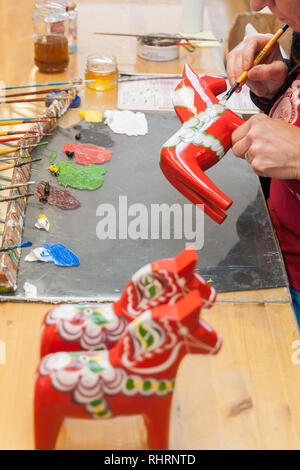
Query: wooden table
{"points": [[246, 397]]}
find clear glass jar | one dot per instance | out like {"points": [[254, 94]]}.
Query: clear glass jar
{"points": [[103, 71], [72, 12], [50, 26]]}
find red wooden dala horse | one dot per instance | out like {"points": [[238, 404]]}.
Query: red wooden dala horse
{"points": [[136, 376], [100, 326], [200, 143]]}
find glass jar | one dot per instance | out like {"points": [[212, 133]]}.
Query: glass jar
{"points": [[102, 72], [50, 26], [72, 12]]}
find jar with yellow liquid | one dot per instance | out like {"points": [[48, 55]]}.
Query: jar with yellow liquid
{"points": [[102, 72]]}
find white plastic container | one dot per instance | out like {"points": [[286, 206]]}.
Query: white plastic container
{"points": [[157, 53]]}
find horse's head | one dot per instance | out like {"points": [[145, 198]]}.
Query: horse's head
{"points": [[163, 282], [201, 142], [155, 342]]}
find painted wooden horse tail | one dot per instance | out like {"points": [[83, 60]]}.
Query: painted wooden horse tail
{"points": [[100, 326], [136, 376], [200, 143]]}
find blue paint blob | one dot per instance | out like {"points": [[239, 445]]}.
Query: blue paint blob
{"points": [[76, 102], [59, 254]]}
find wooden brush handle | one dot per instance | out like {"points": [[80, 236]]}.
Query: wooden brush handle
{"points": [[4, 151], [7, 167]]}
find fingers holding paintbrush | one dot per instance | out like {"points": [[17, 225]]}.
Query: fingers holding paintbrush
{"points": [[244, 66]]}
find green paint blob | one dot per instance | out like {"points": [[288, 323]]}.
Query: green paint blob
{"points": [[52, 157], [80, 177]]}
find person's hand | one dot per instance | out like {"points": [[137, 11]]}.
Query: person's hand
{"points": [[271, 146], [264, 79]]}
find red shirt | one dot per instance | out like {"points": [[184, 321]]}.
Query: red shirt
{"points": [[284, 200]]}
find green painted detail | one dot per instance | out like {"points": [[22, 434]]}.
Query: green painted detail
{"points": [[152, 292], [98, 319], [96, 403], [102, 413], [162, 386], [52, 157], [94, 367], [130, 384], [146, 385], [80, 177]]}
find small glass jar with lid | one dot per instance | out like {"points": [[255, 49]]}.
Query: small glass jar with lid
{"points": [[50, 26], [101, 72]]}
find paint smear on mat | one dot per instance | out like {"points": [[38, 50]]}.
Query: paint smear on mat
{"points": [[91, 115], [80, 177], [30, 290], [52, 157], [126, 122], [53, 253], [87, 154], [56, 196], [42, 223]]}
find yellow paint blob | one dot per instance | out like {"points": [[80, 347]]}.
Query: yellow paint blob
{"points": [[91, 115], [53, 169]]}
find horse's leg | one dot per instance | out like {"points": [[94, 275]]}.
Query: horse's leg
{"points": [[48, 416], [157, 422]]}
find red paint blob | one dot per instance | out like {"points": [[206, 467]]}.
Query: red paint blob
{"points": [[87, 154]]}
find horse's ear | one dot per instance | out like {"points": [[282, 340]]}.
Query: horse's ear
{"points": [[183, 264], [186, 262], [185, 310]]}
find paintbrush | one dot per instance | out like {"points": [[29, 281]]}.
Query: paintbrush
{"points": [[160, 36], [28, 119], [35, 85], [16, 185], [10, 139], [15, 149], [18, 164], [2, 133], [14, 198], [257, 60], [4, 159], [13, 247], [35, 92], [22, 121], [33, 100]]}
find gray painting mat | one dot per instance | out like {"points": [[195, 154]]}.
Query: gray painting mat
{"points": [[240, 254]]}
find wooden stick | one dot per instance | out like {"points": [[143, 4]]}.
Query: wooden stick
{"points": [[4, 159], [13, 165], [16, 185], [14, 123], [27, 118], [14, 198], [19, 132], [13, 247], [10, 139], [35, 92], [159, 36], [15, 149], [80, 81], [33, 100]]}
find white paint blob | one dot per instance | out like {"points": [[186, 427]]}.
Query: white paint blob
{"points": [[126, 122]]}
